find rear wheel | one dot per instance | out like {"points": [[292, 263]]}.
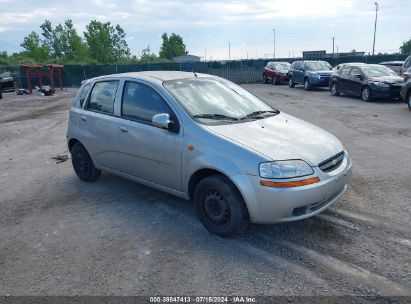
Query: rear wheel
{"points": [[334, 89], [307, 85], [265, 80], [83, 164], [291, 83], [220, 207], [366, 94]]}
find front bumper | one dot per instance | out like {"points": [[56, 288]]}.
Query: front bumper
{"points": [[272, 205], [391, 92], [320, 82]]}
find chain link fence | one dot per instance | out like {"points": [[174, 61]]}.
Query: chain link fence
{"points": [[244, 71]]}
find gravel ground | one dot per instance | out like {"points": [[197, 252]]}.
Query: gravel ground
{"points": [[61, 236]]}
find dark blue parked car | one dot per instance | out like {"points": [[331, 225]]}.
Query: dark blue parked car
{"points": [[310, 74]]}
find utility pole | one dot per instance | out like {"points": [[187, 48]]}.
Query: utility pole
{"points": [[205, 54], [333, 38], [375, 27], [229, 51], [274, 44]]}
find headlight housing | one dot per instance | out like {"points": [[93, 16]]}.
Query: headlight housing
{"points": [[285, 169], [381, 84]]}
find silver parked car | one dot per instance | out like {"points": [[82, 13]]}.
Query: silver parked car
{"points": [[208, 140]]}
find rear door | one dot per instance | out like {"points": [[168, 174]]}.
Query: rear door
{"points": [[143, 150], [96, 122]]}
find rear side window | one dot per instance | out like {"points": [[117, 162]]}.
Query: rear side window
{"points": [[102, 97], [83, 93], [141, 102], [407, 63]]}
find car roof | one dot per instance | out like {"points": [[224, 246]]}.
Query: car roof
{"points": [[159, 75]]}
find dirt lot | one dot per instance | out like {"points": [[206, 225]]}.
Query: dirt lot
{"points": [[61, 236]]}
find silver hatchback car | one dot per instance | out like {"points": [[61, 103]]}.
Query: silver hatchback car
{"points": [[207, 140]]}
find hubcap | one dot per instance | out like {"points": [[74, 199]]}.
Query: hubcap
{"points": [[216, 208], [306, 84], [333, 89], [81, 162], [365, 94], [290, 82]]}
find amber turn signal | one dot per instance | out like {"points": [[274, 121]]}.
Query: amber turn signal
{"points": [[298, 183]]}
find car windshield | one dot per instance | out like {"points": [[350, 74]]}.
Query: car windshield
{"points": [[316, 66], [378, 71], [282, 66], [214, 99]]}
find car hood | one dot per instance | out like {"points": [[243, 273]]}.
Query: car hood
{"points": [[283, 137], [283, 71], [388, 79]]}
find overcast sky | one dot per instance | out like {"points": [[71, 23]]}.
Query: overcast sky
{"points": [[208, 26]]}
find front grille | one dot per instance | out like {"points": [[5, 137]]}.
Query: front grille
{"points": [[324, 77], [332, 163]]}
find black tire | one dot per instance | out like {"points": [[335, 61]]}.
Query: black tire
{"points": [[334, 89], [366, 94], [265, 80], [83, 164], [409, 100], [220, 206], [307, 85], [291, 82]]}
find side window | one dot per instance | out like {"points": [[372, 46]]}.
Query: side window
{"points": [[102, 97], [83, 93], [355, 71], [345, 71], [141, 102], [407, 63]]}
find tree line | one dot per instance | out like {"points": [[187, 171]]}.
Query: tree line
{"points": [[102, 43]]}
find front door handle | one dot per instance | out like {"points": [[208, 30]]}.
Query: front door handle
{"points": [[124, 129], [83, 118]]}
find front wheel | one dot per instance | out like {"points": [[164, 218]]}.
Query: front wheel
{"points": [[83, 164], [409, 100], [366, 94], [220, 207], [334, 89], [291, 83]]}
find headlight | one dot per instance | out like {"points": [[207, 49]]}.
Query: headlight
{"points": [[381, 84], [285, 169]]}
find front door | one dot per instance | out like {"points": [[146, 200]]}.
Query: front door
{"points": [[355, 81], [143, 150]]}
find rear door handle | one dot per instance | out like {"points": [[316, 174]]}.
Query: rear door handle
{"points": [[83, 118], [124, 129]]}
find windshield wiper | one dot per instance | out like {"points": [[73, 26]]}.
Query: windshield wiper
{"points": [[215, 116], [259, 114]]}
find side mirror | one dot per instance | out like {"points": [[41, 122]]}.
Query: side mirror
{"points": [[359, 76], [162, 121]]}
